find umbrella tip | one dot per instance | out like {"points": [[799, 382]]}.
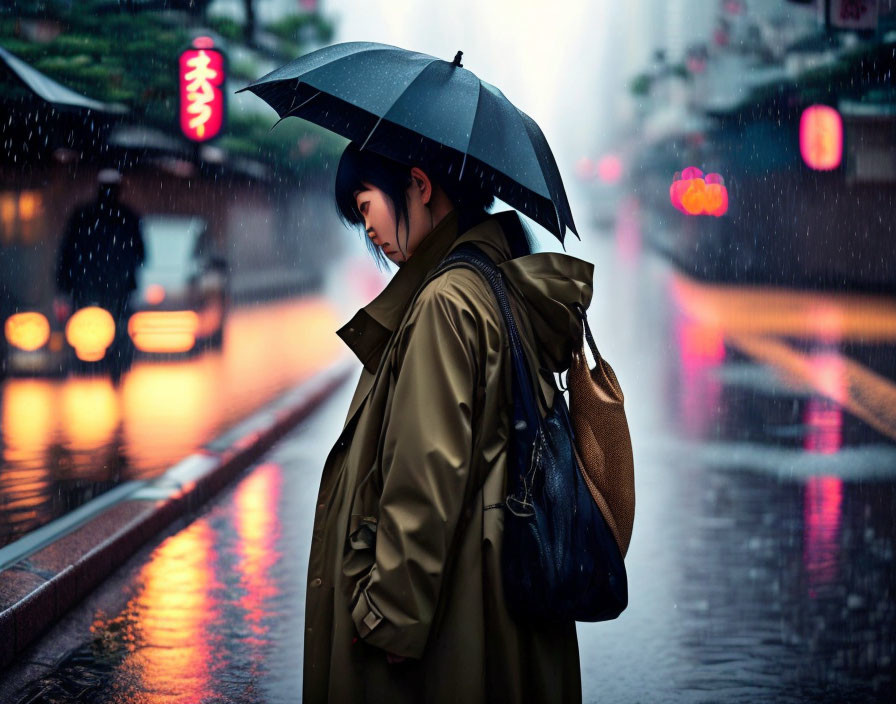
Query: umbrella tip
{"points": [[457, 59]]}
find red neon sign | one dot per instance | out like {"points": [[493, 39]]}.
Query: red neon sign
{"points": [[201, 97]]}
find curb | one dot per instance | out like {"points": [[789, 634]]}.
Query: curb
{"points": [[48, 571]]}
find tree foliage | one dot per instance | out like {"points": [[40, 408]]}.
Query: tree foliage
{"points": [[131, 57]]}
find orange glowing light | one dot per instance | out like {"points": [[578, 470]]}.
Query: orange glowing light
{"points": [[8, 209], [694, 199], [90, 413], [821, 137], [155, 294], [29, 418], [257, 521], [694, 194], [178, 585], [201, 98], [164, 331], [27, 331], [29, 204], [90, 331]]}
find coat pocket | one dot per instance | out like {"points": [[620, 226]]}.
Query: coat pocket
{"points": [[359, 550]]}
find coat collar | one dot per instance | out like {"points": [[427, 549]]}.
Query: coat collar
{"points": [[369, 330]]}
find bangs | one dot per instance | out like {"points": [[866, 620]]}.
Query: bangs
{"points": [[348, 181], [358, 167]]}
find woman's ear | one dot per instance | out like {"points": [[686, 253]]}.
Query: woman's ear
{"points": [[421, 182]]}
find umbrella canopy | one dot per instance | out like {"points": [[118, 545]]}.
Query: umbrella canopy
{"points": [[417, 109]]}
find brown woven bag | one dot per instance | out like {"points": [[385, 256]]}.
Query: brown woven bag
{"points": [[602, 440]]}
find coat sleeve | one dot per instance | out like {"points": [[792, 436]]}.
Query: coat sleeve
{"points": [[426, 459]]}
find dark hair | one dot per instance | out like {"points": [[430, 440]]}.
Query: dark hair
{"points": [[393, 178]]}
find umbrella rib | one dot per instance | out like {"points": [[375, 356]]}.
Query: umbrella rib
{"points": [[395, 102], [304, 102], [292, 110], [472, 127], [369, 134], [525, 120]]}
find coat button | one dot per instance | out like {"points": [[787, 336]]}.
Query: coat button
{"points": [[320, 507], [316, 582]]}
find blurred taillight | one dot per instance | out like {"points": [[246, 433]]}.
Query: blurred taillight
{"points": [[154, 294], [164, 331], [27, 331]]}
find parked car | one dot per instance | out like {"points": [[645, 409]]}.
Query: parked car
{"points": [[56, 339], [181, 300], [33, 341]]}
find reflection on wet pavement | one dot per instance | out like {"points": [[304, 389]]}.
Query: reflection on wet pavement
{"points": [[64, 442], [761, 563], [213, 613]]}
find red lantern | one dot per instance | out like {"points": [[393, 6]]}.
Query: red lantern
{"points": [[202, 106], [821, 137]]}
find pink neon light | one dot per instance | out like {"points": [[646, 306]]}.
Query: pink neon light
{"points": [[609, 168], [821, 516], [821, 137], [201, 98]]}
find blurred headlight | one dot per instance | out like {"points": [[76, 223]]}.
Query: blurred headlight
{"points": [[90, 331], [27, 331]]}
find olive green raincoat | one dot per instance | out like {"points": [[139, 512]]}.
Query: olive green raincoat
{"points": [[405, 552]]}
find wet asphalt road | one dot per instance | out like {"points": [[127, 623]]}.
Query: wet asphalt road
{"points": [[761, 564], [65, 441]]}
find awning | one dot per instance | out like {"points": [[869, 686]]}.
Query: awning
{"points": [[52, 92]]}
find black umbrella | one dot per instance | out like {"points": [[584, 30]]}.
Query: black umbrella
{"points": [[415, 108]]}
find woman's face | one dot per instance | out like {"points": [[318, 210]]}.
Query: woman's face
{"points": [[379, 218]]}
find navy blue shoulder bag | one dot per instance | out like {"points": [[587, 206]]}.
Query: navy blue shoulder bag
{"points": [[560, 560]]}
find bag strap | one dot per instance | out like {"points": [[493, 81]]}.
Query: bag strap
{"points": [[471, 256], [583, 316]]}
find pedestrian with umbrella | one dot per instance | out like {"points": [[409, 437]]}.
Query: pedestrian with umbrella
{"points": [[405, 600]]}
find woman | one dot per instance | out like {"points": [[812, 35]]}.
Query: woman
{"points": [[405, 600]]}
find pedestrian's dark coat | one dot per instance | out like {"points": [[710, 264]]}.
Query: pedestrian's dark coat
{"points": [[405, 553], [99, 254]]}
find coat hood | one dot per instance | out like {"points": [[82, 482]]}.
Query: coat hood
{"points": [[551, 283]]}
